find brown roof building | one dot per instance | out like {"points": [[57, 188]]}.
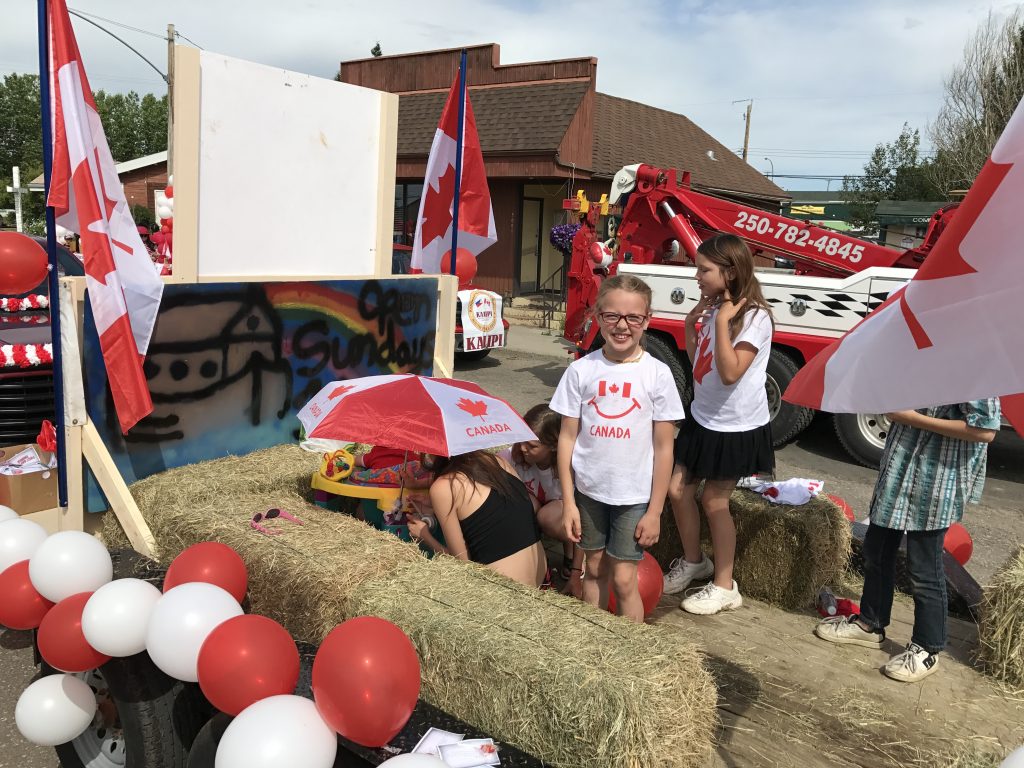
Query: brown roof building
{"points": [[545, 132]]}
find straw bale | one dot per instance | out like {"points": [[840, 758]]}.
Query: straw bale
{"points": [[547, 673], [1001, 628], [784, 554]]}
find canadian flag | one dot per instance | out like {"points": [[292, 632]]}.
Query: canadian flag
{"points": [[85, 192], [952, 334], [433, 239]]}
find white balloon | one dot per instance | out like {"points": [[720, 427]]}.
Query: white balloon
{"points": [[276, 731], [414, 761], [181, 620], [67, 563], [55, 709], [19, 540], [116, 617], [6, 513], [1014, 760], [163, 211]]}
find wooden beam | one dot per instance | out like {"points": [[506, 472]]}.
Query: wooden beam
{"points": [[121, 502], [444, 341]]}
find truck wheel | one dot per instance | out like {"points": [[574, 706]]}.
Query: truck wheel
{"points": [[862, 435], [660, 350], [787, 420], [144, 718]]}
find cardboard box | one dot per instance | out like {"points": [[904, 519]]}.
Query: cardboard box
{"points": [[31, 492]]}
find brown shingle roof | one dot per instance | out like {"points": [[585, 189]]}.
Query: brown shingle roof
{"points": [[627, 132], [512, 119]]}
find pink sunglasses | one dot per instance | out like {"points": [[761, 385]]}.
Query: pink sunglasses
{"points": [[269, 515]]}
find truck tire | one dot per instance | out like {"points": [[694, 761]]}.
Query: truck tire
{"points": [[145, 718], [670, 356], [862, 435], [787, 420]]}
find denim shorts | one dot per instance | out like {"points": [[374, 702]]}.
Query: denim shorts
{"points": [[610, 527]]}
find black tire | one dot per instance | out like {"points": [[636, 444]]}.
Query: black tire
{"points": [[788, 420], [204, 749], [470, 357], [862, 435], [158, 718], [660, 349]]}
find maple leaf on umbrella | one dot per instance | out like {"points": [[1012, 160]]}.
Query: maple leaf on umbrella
{"points": [[437, 207], [473, 407], [339, 391]]}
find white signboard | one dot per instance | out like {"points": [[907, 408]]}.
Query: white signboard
{"points": [[482, 327]]}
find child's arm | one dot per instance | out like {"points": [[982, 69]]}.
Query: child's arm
{"points": [[957, 429], [566, 442], [442, 501], [732, 361], [648, 530]]}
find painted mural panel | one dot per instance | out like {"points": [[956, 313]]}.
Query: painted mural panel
{"points": [[231, 364]]}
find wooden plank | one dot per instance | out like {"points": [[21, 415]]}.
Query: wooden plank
{"points": [[186, 165], [72, 517], [121, 502], [388, 149], [444, 341]]}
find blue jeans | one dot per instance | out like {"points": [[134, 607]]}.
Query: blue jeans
{"points": [[927, 578]]}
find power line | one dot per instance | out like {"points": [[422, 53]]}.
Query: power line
{"points": [[197, 45], [118, 24], [125, 44]]}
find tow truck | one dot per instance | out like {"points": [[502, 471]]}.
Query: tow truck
{"points": [[819, 282]]}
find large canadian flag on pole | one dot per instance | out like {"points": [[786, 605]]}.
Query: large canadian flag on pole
{"points": [[123, 285], [433, 239], [953, 333]]}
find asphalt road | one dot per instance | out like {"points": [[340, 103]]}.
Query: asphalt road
{"points": [[525, 374]]}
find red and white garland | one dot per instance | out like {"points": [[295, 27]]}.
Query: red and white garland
{"points": [[32, 301], [25, 355]]}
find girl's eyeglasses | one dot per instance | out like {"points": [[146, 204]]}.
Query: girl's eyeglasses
{"points": [[271, 514], [612, 318]]}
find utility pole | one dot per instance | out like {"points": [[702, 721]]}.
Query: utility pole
{"points": [[170, 100], [18, 191], [746, 130]]}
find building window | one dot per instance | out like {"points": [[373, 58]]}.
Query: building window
{"points": [[407, 208]]}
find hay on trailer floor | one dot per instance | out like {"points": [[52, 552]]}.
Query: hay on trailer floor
{"points": [[547, 673], [784, 554], [1001, 629]]}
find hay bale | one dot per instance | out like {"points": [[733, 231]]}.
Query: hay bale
{"points": [[1001, 628], [549, 674], [784, 554]]}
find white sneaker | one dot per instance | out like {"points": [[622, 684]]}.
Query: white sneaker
{"points": [[711, 598], [913, 664], [681, 573]]}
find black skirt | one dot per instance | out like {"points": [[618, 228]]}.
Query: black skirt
{"points": [[706, 454]]}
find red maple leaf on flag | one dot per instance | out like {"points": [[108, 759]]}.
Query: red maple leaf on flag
{"points": [[339, 391], [473, 407], [437, 206]]}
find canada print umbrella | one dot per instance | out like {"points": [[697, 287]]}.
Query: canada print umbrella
{"points": [[443, 417]]}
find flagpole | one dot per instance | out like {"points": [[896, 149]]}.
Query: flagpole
{"points": [[51, 251], [458, 155]]}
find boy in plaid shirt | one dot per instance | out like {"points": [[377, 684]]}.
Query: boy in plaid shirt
{"points": [[933, 466]]}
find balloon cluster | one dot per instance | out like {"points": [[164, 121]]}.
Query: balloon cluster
{"points": [[365, 676], [164, 237]]}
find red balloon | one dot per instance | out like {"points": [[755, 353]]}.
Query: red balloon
{"points": [[21, 607], [651, 582], [366, 679], [212, 562], [157, 237], [246, 659], [169, 223], [61, 642], [164, 228], [958, 543], [169, 191], [841, 503], [465, 265], [23, 263]]}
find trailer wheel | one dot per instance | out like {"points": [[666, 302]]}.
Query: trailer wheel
{"points": [[144, 718], [862, 435], [787, 420], [660, 350]]}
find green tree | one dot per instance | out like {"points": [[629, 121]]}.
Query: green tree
{"points": [[895, 171], [376, 51], [20, 131], [981, 94]]}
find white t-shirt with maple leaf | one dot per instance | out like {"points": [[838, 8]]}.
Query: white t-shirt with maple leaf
{"points": [[740, 406], [617, 405]]}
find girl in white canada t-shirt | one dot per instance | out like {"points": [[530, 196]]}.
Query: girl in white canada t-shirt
{"points": [[728, 435], [618, 405]]}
